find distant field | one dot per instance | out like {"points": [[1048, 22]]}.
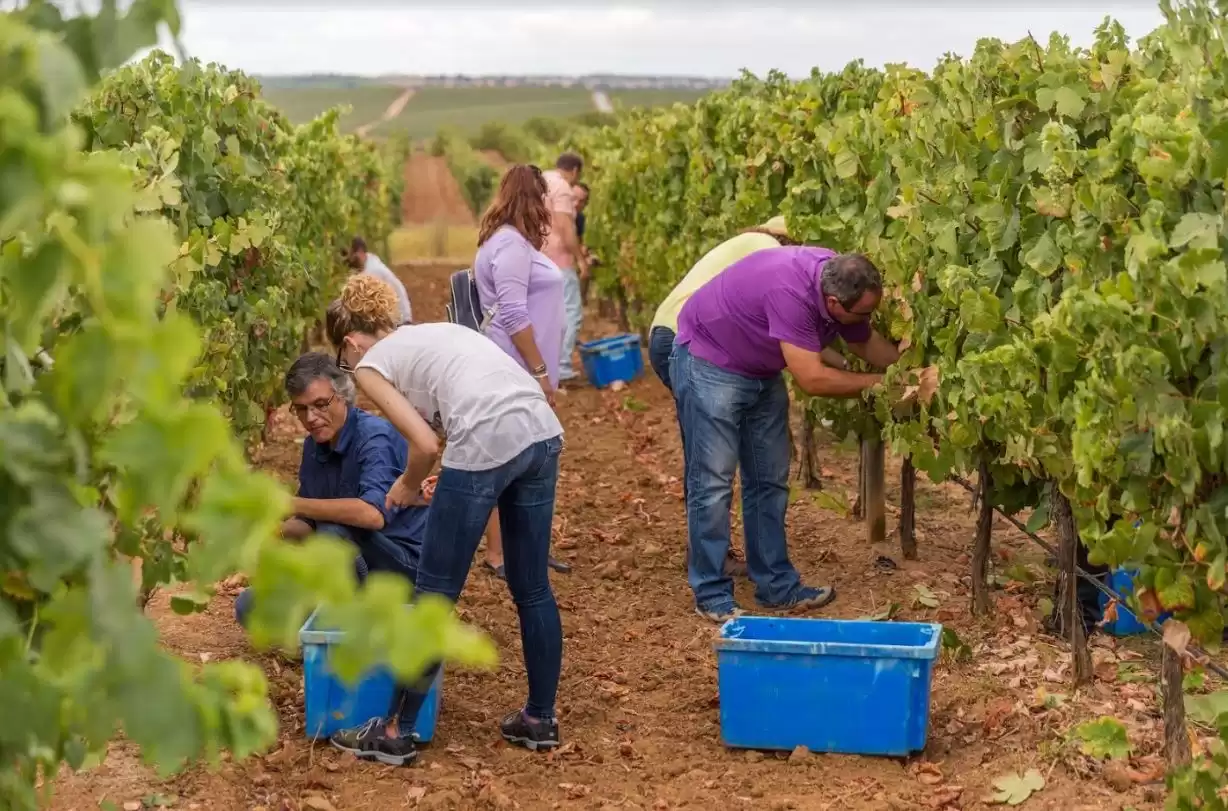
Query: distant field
{"points": [[653, 98], [468, 108], [465, 108], [305, 103]]}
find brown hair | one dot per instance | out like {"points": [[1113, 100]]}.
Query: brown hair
{"points": [[521, 203], [781, 238], [569, 162], [366, 304]]}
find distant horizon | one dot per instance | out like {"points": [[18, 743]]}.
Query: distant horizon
{"points": [[366, 39], [449, 75]]}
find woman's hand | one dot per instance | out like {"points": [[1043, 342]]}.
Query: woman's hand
{"points": [[547, 389], [401, 495], [428, 488]]}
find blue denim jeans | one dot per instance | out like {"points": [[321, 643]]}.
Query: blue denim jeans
{"points": [[376, 552], [660, 348], [730, 420], [523, 489], [573, 314]]}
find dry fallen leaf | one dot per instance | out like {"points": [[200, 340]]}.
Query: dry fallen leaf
{"points": [[318, 802], [1177, 636], [946, 797], [929, 774]]}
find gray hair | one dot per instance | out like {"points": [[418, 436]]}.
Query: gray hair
{"points": [[848, 277], [317, 366]]}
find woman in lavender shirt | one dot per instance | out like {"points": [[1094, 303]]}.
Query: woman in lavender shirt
{"points": [[525, 291]]}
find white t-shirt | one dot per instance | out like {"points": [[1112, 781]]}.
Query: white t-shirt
{"points": [[489, 408], [376, 267]]}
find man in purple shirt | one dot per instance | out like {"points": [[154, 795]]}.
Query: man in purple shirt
{"points": [[777, 309]]}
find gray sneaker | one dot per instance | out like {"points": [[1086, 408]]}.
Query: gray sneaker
{"points": [[720, 614], [804, 597]]}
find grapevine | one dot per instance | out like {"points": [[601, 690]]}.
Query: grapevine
{"points": [[1050, 224], [151, 285]]}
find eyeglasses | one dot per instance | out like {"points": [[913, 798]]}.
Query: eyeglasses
{"points": [[341, 364], [319, 406]]}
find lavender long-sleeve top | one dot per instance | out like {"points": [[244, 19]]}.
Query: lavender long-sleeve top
{"points": [[528, 288]]}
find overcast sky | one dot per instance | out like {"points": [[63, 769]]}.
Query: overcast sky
{"points": [[714, 38]]}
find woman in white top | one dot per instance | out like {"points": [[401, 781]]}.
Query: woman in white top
{"points": [[502, 445]]}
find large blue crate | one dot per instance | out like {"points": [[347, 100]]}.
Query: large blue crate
{"points": [[853, 687], [1121, 580], [609, 359], [331, 706]]}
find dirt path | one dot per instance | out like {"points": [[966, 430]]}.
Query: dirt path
{"points": [[432, 194], [601, 102], [495, 159], [638, 702], [392, 111]]}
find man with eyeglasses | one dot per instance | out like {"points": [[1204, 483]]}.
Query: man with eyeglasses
{"points": [[350, 460], [777, 309]]}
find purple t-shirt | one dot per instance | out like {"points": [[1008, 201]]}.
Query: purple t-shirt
{"points": [[738, 320], [528, 288]]}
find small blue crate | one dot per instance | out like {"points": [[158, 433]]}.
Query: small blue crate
{"points": [[615, 358], [332, 706], [1127, 624], [853, 687]]}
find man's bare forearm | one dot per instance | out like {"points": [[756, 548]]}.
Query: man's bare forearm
{"points": [[830, 382], [350, 512]]}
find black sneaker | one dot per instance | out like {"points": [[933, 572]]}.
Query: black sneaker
{"points": [[371, 743], [531, 733]]}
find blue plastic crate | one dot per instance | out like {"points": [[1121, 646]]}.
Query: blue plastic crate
{"points": [[853, 687], [1127, 624], [331, 706], [615, 358]]}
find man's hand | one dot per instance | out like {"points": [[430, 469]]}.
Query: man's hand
{"points": [[402, 495], [925, 388], [582, 267], [428, 488]]}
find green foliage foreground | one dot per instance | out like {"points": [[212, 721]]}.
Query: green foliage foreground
{"points": [[1051, 225], [177, 241]]}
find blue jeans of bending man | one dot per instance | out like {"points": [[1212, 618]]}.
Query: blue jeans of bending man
{"points": [[660, 349], [376, 552], [524, 490], [730, 421]]}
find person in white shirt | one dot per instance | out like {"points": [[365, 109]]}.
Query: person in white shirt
{"points": [[363, 261], [501, 448]]}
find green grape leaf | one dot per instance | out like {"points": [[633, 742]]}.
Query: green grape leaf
{"points": [[1015, 789], [1104, 737]]}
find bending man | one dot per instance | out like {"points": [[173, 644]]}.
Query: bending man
{"points": [[776, 309], [350, 460]]}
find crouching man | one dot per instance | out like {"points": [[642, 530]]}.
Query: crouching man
{"points": [[350, 460]]}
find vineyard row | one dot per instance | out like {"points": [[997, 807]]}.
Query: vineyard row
{"points": [[1050, 224]]}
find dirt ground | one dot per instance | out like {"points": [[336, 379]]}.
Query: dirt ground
{"points": [[432, 193], [638, 703]]}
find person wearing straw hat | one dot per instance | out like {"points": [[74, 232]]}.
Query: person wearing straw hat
{"points": [[777, 309], [771, 234]]}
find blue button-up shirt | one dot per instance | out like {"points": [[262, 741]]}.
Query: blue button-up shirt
{"points": [[363, 460]]}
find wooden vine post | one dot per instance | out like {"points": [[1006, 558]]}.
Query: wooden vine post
{"points": [[1176, 734], [1070, 614], [982, 605], [908, 509], [874, 496], [808, 469]]}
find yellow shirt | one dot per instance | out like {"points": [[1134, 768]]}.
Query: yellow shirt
{"points": [[707, 269]]}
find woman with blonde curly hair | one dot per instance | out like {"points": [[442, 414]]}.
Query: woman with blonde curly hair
{"points": [[502, 445]]}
